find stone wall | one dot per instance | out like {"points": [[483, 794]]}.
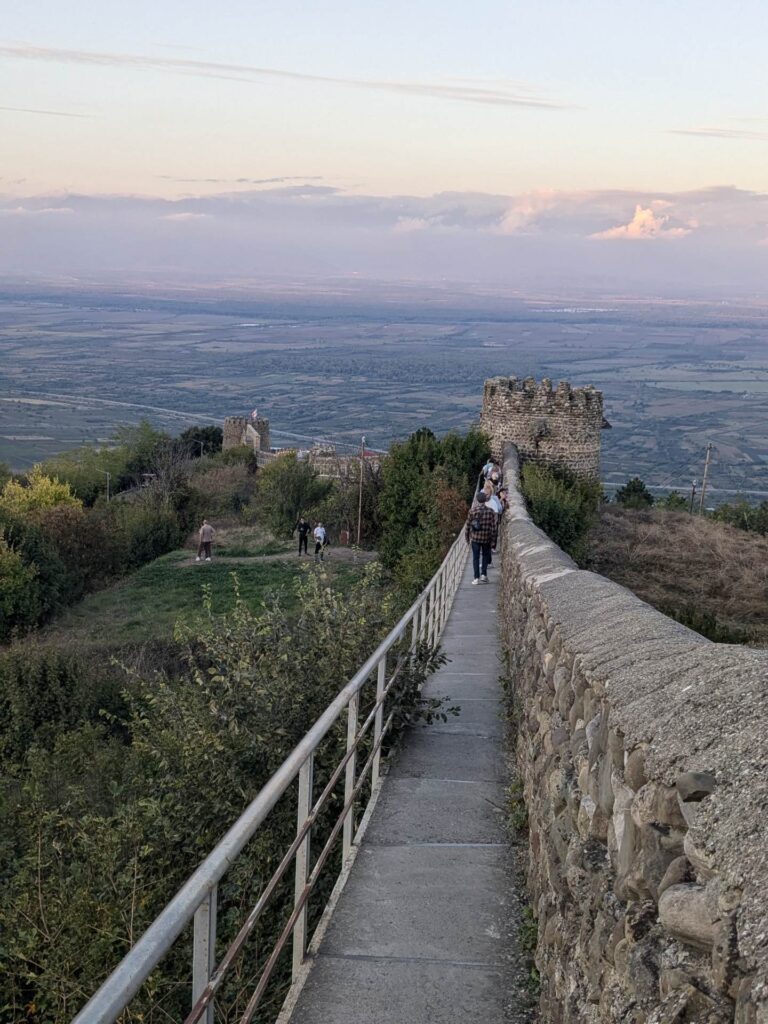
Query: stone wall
{"points": [[560, 427], [643, 750]]}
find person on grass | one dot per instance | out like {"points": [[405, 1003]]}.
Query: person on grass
{"points": [[321, 539], [481, 532], [207, 533], [302, 528]]}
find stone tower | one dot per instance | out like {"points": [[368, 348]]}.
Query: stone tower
{"points": [[234, 431], [556, 427], [253, 431]]}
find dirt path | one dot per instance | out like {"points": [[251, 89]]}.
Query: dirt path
{"points": [[345, 556]]}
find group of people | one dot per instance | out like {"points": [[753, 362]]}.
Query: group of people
{"points": [[302, 527], [319, 535], [482, 528]]}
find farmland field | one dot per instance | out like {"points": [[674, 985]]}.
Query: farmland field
{"points": [[74, 365]]}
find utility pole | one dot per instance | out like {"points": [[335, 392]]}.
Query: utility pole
{"points": [[693, 495], [360, 492], [704, 481], [108, 475], [202, 447]]}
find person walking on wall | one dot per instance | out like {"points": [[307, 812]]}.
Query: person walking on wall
{"points": [[302, 528], [207, 533], [481, 532], [321, 540]]}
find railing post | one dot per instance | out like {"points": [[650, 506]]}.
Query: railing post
{"points": [[381, 680], [349, 781], [204, 950], [304, 806], [423, 619]]}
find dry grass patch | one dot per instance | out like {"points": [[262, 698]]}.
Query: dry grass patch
{"points": [[708, 575]]}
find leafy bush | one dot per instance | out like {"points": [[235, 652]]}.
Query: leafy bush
{"points": [[19, 592], [562, 505], [40, 492], [674, 502], [46, 691], [634, 494], [220, 490], [85, 470], [147, 530], [100, 833], [744, 516]]}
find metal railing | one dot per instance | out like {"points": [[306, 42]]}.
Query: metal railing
{"points": [[196, 900]]}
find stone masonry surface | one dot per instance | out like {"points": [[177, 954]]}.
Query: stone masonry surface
{"points": [[555, 427], [643, 748]]}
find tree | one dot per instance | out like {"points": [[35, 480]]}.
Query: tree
{"points": [[5, 473], [287, 489], [562, 505], [85, 470], [674, 501], [41, 492], [19, 604], [744, 515], [143, 446], [634, 494], [202, 440]]}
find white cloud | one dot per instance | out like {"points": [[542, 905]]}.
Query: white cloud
{"points": [[407, 225], [644, 226], [722, 133], [30, 211], [497, 94], [187, 216]]}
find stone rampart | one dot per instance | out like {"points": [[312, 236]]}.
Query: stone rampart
{"points": [[554, 426], [643, 751]]}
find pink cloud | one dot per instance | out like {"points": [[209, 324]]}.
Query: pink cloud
{"points": [[644, 226]]}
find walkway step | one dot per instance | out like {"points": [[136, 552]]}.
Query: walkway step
{"points": [[419, 935]]}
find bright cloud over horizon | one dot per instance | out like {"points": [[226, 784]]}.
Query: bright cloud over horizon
{"points": [[711, 237]]}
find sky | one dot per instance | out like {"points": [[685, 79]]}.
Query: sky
{"points": [[548, 140]]}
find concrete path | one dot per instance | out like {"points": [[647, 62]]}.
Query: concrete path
{"points": [[419, 935]]}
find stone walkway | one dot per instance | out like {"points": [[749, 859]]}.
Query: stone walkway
{"points": [[419, 935]]}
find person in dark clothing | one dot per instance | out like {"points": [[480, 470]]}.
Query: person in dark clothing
{"points": [[481, 532], [302, 528]]}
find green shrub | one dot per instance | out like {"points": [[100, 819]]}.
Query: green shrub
{"points": [[562, 505], [744, 516], [98, 833], [47, 691], [634, 494], [20, 605]]}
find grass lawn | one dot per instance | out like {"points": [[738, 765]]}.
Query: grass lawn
{"points": [[147, 604]]}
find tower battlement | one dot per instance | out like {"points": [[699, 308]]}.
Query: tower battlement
{"points": [[250, 430], [552, 425]]}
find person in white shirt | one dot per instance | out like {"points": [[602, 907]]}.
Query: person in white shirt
{"points": [[320, 541]]}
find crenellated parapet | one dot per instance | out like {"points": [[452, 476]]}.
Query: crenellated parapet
{"points": [[250, 430], [552, 425]]}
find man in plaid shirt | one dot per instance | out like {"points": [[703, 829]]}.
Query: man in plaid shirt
{"points": [[481, 531]]}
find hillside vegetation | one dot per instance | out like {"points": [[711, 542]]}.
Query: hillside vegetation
{"points": [[711, 576], [709, 572], [145, 698]]}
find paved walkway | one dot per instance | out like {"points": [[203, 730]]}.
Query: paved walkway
{"points": [[419, 934]]}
